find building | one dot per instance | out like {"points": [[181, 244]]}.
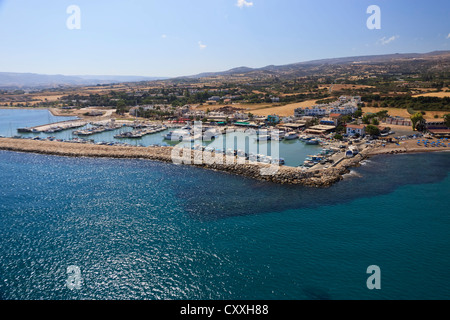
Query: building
{"points": [[398, 121], [217, 116], [240, 116], [320, 129], [328, 122], [293, 126], [336, 117], [356, 100], [440, 133], [435, 124], [275, 99], [344, 106], [353, 130]]}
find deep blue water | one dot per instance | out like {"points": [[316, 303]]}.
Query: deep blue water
{"points": [[147, 230]]}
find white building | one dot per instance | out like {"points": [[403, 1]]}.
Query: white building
{"points": [[353, 130]]}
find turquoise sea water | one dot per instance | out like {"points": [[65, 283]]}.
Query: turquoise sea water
{"points": [[13, 119], [147, 230]]}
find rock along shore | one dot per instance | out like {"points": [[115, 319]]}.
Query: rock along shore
{"points": [[280, 175]]}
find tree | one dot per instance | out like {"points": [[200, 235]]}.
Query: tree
{"points": [[447, 120], [338, 137], [416, 118], [382, 114], [367, 118], [347, 119], [121, 107], [358, 114], [375, 122], [372, 130]]}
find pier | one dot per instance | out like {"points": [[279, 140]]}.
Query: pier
{"points": [[54, 127]]}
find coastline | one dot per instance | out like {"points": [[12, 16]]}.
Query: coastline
{"points": [[284, 175]]}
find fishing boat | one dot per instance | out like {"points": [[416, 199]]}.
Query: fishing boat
{"points": [[308, 164], [312, 142]]}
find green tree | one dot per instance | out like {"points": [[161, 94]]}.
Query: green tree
{"points": [[375, 121], [416, 118], [358, 114], [121, 107], [347, 119], [447, 120], [382, 114], [372, 130], [367, 119]]}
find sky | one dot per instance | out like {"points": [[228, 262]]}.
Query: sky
{"points": [[185, 37]]}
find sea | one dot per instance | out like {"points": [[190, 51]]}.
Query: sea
{"points": [[139, 229]]}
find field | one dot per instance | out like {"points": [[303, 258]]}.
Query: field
{"points": [[434, 94], [404, 113], [266, 109]]}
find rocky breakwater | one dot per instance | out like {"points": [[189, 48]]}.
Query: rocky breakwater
{"points": [[274, 173], [264, 172]]}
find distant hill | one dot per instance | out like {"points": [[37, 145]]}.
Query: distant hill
{"points": [[438, 61], [405, 61], [10, 80]]}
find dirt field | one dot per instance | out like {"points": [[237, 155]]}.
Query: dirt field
{"points": [[266, 109], [434, 94], [404, 113]]}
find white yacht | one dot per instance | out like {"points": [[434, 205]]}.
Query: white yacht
{"points": [[178, 135], [291, 136]]}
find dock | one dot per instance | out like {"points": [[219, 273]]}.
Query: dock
{"points": [[54, 127]]}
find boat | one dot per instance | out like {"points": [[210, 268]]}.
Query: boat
{"points": [[242, 154], [264, 138], [178, 135], [355, 150], [291, 136], [252, 157], [305, 138], [279, 161], [308, 164], [349, 154], [312, 142]]}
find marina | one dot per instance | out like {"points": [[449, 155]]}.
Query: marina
{"points": [[293, 149]]}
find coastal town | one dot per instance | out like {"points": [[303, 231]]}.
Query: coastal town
{"points": [[309, 120], [342, 133]]}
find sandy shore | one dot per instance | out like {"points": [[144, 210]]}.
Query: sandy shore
{"points": [[281, 175]]}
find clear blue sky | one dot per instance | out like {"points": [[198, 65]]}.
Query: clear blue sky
{"points": [[181, 37]]}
